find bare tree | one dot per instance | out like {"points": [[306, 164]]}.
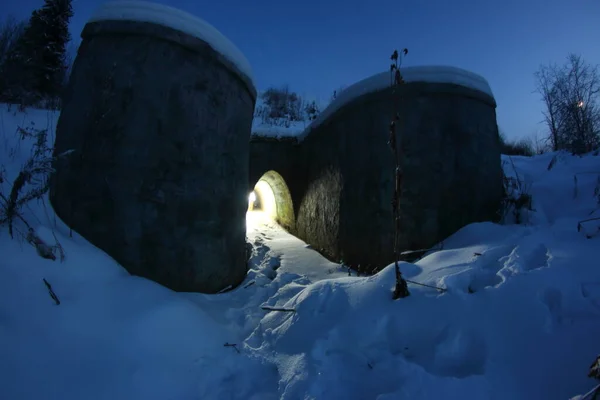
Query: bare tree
{"points": [[546, 85], [538, 143], [570, 94], [281, 107], [579, 96]]}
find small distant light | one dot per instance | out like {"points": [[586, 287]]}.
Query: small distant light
{"points": [[580, 104], [252, 197]]}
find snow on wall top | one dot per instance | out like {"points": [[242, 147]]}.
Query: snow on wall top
{"points": [[432, 74], [143, 11]]}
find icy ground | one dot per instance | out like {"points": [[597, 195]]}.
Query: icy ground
{"points": [[520, 319]]}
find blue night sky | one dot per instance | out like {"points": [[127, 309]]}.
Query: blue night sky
{"points": [[318, 46]]}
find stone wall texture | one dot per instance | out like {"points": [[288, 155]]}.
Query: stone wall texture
{"points": [[163, 161], [344, 172], [160, 125]]}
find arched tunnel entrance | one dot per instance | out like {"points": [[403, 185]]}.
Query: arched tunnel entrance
{"points": [[270, 200]]}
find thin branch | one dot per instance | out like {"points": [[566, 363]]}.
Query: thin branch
{"points": [[396, 80], [232, 345], [429, 286], [281, 309], [580, 223], [51, 292]]}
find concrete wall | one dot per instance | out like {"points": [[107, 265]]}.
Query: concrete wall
{"points": [[160, 124], [344, 180], [163, 162]]}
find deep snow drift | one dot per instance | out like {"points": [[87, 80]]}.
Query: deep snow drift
{"points": [[520, 318]]}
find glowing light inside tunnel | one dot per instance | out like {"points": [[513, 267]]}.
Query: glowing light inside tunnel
{"points": [[267, 199], [271, 206], [262, 207]]}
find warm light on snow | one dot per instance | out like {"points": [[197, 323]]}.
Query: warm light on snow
{"points": [[265, 212], [267, 198]]}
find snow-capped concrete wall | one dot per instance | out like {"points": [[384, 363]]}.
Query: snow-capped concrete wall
{"points": [[159, 112], [159, 115], [451, 162]]}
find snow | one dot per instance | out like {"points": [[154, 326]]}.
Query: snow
{"points": [[282, 129], [279, 127], [170, 17], [434, 74], [520, 318], [381, 81]]}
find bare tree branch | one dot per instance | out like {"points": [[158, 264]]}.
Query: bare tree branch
{"points": [[571, 95]]}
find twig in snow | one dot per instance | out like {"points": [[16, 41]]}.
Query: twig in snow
{"points": [[59, 247], [593, 394], [429, 286], [41, 247], [519, 183], [268, 308], [232, 345], [595, 369], [597, 190], [401, 288], [10, 212], [226, 288], [580, 226], [52, 294], [249, 284], [552, 162], [65, 153]]}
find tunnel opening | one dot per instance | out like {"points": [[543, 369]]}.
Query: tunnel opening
{"points": [[270, 201]]}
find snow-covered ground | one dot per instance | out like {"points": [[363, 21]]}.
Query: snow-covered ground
{"points": [[520, 318]]}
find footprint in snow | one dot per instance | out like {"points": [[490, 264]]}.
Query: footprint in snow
{"points": [[459, 354], [495, 266], [591, 292], [552, 298], [525, 258]]}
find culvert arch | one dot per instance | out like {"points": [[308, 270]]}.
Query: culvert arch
{"points": [[273, 196]]}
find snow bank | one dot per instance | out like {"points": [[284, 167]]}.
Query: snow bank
{"points": [[170, 17], [522, 307], [433, 74], [278, 127], [293, 128], [520, 318], [113, 336]]}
